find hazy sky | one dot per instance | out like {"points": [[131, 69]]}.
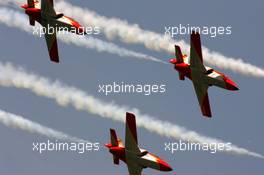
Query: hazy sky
{"points": [[237, 116]]}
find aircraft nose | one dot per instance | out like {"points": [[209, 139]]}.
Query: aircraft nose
{"points": [[231, 85], [81, 30], [168, 168], [164, 166], [235, 88], [173, 61]]}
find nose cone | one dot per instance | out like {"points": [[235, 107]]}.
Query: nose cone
{"points": [[231, 85], [164, 166], [80, 30], [173, 61]]}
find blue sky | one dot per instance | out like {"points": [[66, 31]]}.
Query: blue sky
{"points": [[237, 116]]}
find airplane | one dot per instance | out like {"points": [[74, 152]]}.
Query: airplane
{"points": [[202, 76], [136, 159], [48, 18]]}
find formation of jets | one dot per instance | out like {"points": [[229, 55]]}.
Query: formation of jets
{"points": [[136, 159], [49, 19], [201, 76], [193, 68]]}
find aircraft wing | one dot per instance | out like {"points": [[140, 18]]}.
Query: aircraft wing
{"points": [[196, 57], [131, 134], [51, 40], [134, 169], [202, 95], [47, 7]]}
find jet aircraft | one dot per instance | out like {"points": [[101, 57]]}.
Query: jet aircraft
{"points": [[202, 76], [136, 159], [51, 22]]}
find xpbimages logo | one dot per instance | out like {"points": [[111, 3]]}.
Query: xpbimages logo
{"points": [[61, 30], [121, 88], [78, 147], [212, 31], [190, 146]]}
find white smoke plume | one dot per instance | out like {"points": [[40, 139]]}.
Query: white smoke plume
{"points": [[64, 95], [12, 2], [132, 33], [18, 122], [12, 18]]}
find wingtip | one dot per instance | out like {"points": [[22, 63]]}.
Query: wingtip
{"points": [[129, 115], [56, 61], [130, 118], [195, 33], [177, 46], [195, 36], [208, 116]]}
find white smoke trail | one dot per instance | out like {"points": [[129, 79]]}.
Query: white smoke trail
{"points": [[132, 33], [113, 27], [12, 2], [12, 18], [18, 122], [64, 95]]}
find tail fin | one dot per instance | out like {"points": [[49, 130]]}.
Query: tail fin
{"points": [[179, 58], [114, 142], [178, 54], [31, 3], [114, 139]]}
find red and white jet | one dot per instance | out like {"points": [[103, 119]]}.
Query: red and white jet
{"points": [[136, 159], [201, 76], [49, 19]]}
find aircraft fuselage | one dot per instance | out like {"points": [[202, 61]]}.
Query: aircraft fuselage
{"points": [[60, 22], [211, 77], [147, 160]]}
